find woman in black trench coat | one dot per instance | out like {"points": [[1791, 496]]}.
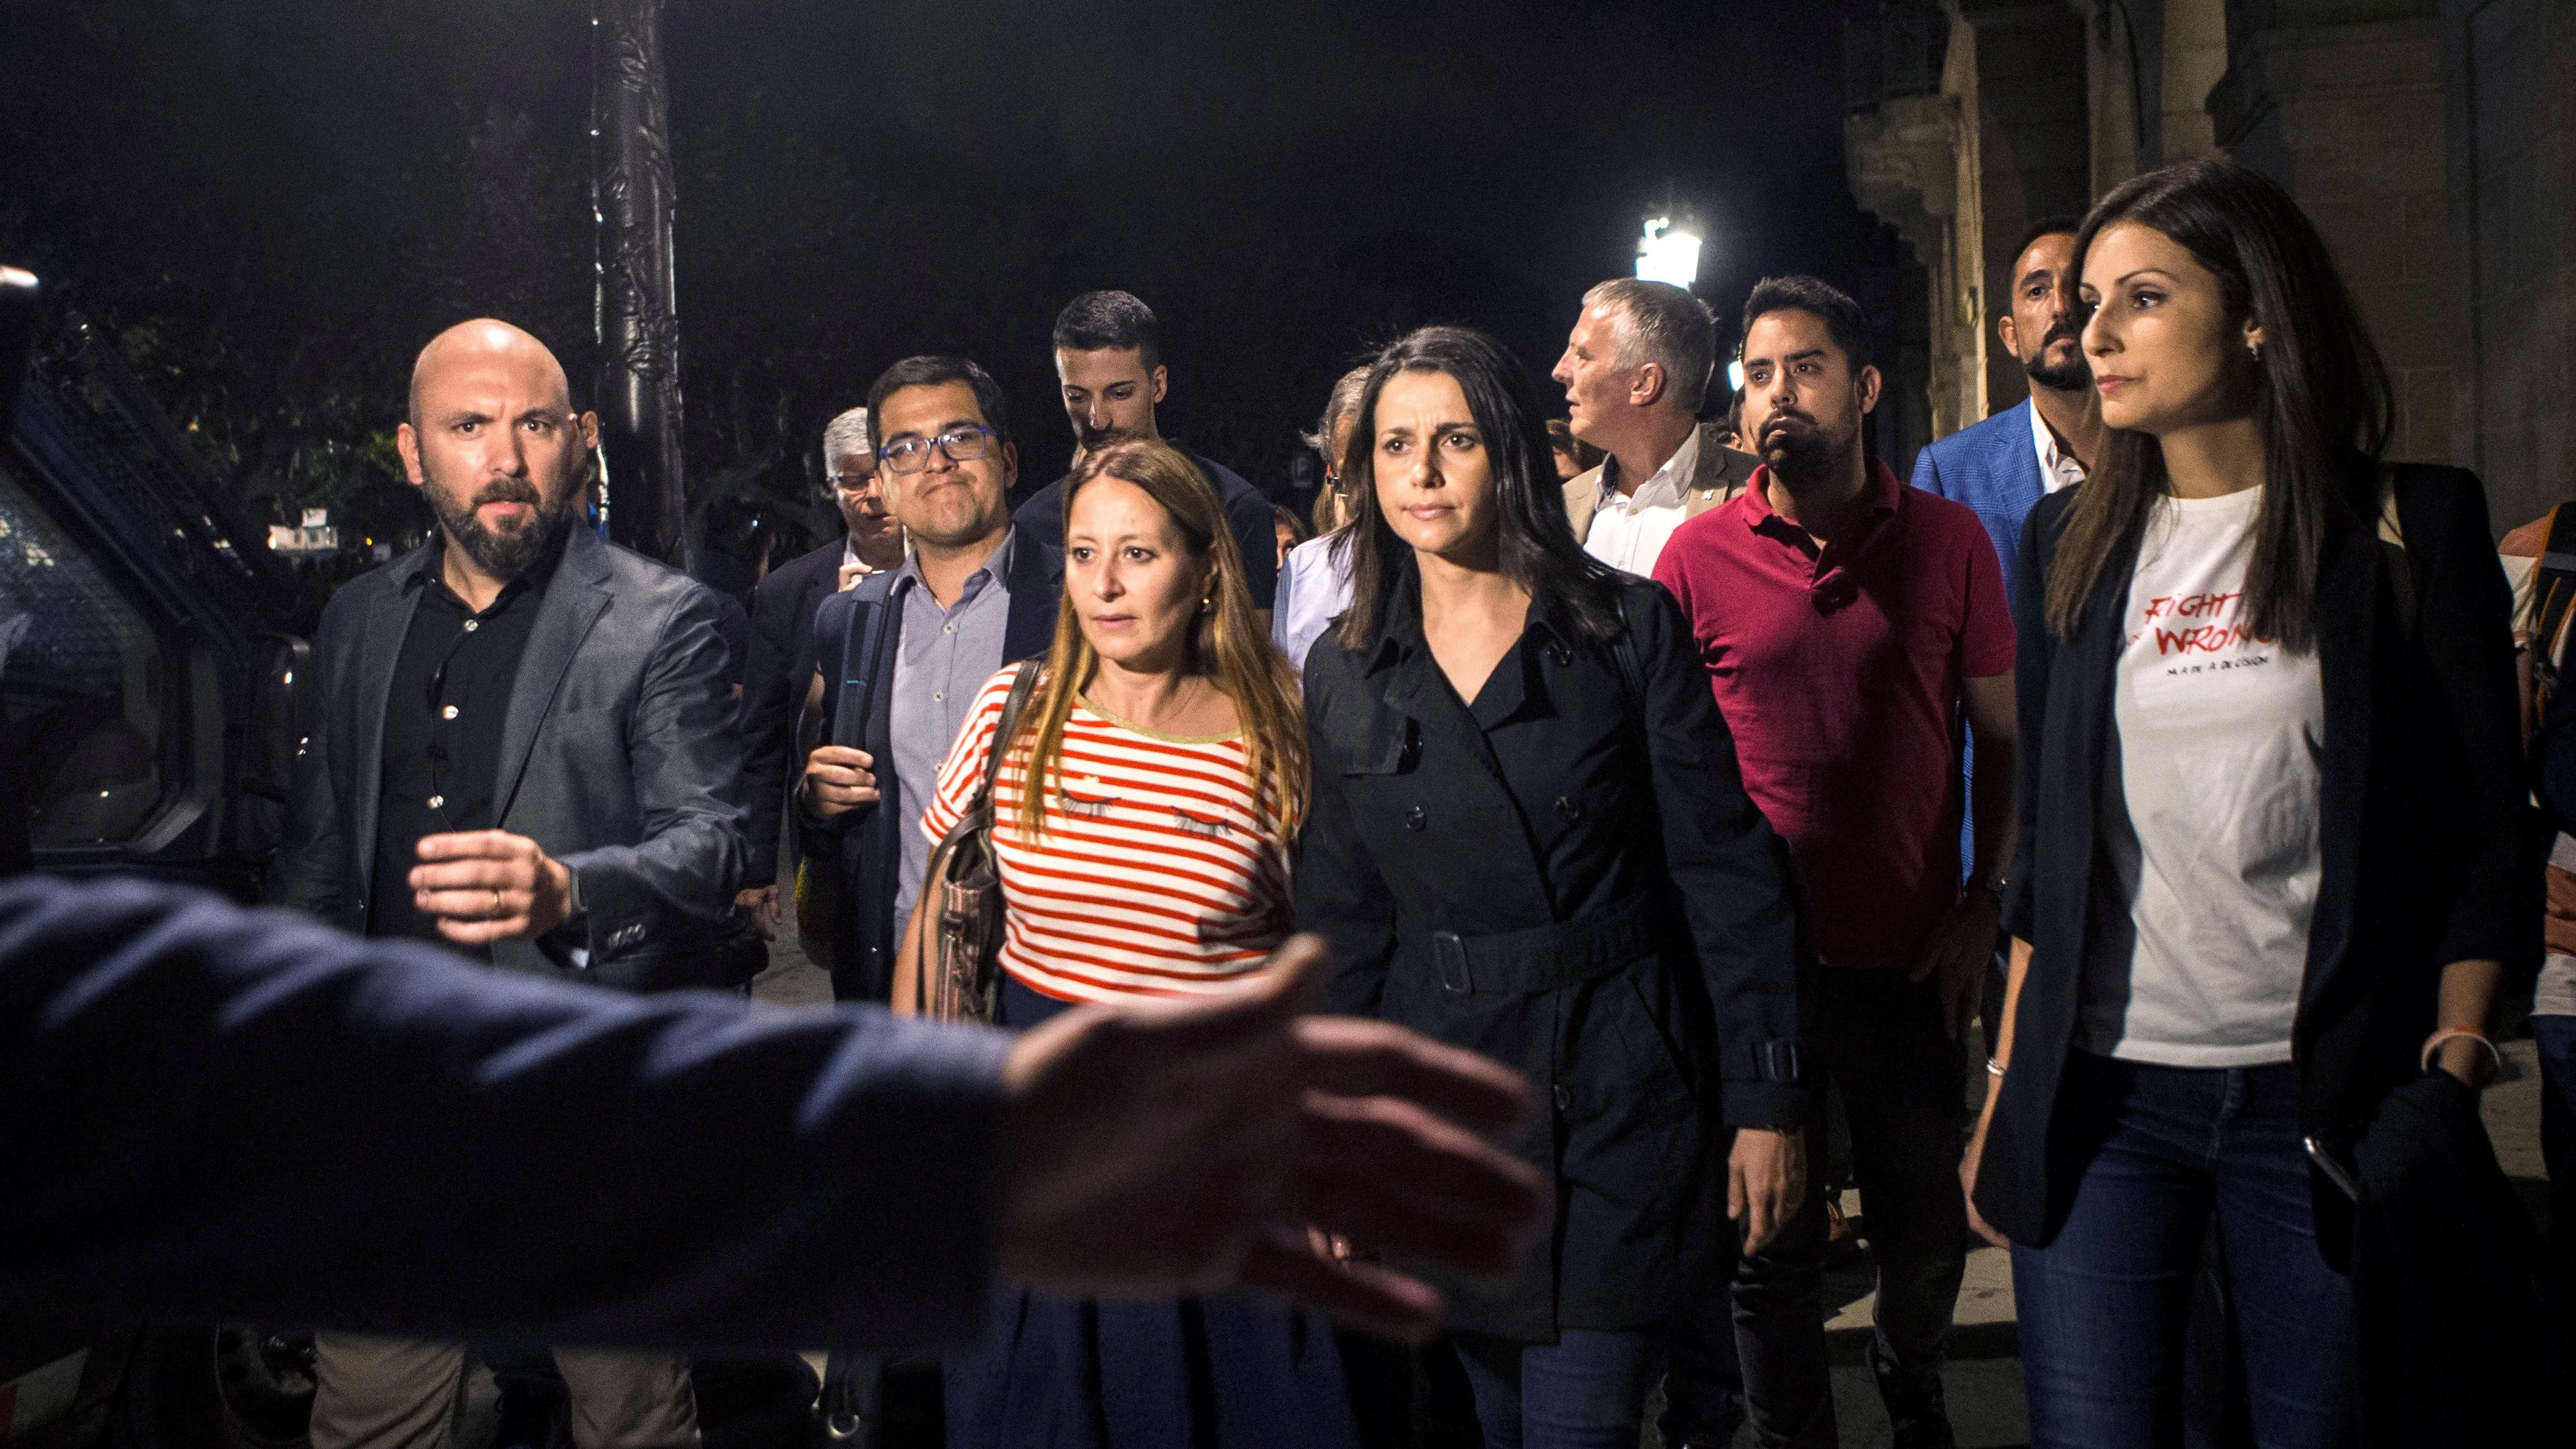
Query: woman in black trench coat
{"points": [[1528, 838]]}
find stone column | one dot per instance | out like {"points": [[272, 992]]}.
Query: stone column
{"points": [[2511, 76], [2347, 113], [2036, 138], [2193, 61], [1913, 161]]}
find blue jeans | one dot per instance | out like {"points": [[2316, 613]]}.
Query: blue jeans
{"points": [[1587, 1390], [2103, 1307]]}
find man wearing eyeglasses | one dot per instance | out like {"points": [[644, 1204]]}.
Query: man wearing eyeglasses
{"points": [[526, 754], [782, 637], [900, 656]]}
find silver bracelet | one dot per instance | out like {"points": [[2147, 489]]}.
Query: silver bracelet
{"points": [[1994, 1068], [2435, 1042]]}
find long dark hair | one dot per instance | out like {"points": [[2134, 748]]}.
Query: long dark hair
{"points": [[1537, 547], [2321, 395]]}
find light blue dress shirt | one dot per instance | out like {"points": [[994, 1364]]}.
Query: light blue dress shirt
{"points": [[941, 660]]}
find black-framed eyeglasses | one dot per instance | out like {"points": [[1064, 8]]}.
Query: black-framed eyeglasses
{"points": [[852, 482], [963, 444]]}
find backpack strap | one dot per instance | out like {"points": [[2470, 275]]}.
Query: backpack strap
{"points": [[848, 708], [2553, 592]]}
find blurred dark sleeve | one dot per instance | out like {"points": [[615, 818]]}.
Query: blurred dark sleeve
{"points": [[215, 1113]]}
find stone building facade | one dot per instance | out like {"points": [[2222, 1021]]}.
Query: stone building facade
{"points": [[2433, 141]]}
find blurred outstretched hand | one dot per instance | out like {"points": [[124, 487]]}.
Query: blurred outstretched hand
{"points": [[1182, 1147]]}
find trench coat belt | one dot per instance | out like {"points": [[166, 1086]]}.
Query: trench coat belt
{"points": [[1543, 958]]}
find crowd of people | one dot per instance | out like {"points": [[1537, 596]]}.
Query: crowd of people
{"points": [[1675, 753]]}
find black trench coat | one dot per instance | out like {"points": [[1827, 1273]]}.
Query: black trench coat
{"points": [[1574, 884]]}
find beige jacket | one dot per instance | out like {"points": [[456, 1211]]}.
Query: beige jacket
{"points": [[1722, 474]]}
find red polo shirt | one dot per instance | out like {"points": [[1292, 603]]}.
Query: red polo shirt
{"points": [[1839, 673]]}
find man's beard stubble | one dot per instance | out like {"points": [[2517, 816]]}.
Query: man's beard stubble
{"points": [[2072, 376], [1810, 453], [504, 555]]}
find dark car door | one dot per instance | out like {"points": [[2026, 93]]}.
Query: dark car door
{"points": [[149, 713]]}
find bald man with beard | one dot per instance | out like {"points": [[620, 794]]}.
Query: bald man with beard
{"points": [[525, 754]]}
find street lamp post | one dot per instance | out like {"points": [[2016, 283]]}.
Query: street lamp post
{"points": [[639, 330]]}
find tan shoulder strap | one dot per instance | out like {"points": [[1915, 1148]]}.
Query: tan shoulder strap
{"points": [[2393, 570]]}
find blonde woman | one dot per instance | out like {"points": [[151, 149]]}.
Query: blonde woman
{"points": [[1142, 815]]}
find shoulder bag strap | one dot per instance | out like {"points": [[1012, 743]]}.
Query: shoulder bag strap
{"points": [[1023, 684]]}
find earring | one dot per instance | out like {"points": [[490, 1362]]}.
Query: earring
{"points": [[1207, 603], [2254, 350]]}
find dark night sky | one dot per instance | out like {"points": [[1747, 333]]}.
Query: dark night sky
{"points": [[306, 189]]}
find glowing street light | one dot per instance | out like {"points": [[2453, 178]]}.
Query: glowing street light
{"points": [[1668, 253]]}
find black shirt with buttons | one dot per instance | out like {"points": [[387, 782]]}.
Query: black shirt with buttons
{"points": [[443, 719]]}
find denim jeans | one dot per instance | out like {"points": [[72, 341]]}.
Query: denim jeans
{"points": [[2164, 1151], [1587, 1390]]}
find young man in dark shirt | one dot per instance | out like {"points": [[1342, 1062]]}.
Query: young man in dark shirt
{"points": [[1109, 363]]}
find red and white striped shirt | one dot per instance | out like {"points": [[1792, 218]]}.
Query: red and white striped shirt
{"points": [[1162, 871]]}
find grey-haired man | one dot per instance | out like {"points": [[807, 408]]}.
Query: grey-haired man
{"points": [[782, 644]]}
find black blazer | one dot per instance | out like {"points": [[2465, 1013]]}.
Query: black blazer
{"points": [[2423, 806], [1573, 882], [865, 852], [782, 659]]}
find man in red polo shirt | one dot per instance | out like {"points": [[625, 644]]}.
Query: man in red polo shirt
{"points": [[1847, 623]]}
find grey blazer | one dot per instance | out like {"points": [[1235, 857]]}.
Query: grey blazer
{"points": [[619, 757], [1722, 474]]}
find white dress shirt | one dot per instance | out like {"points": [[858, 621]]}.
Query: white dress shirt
{"points": [[855, 568], [2057, 467], [1314, 590], [1629, 530]]}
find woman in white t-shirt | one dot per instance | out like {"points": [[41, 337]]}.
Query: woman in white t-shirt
{"points": [[2269, 867]]}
